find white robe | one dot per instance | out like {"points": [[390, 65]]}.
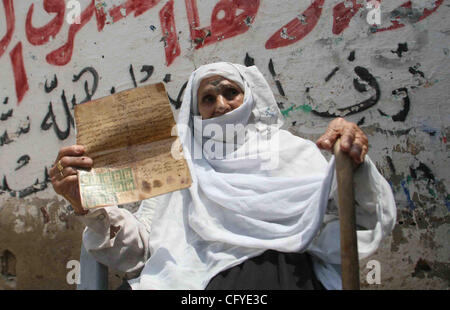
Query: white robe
{"points": [[129, 249], [241, 205]]}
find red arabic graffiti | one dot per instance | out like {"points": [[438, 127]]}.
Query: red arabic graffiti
{"points": [[10, 22], [343, 13], [62, 55], [396, 24], [41, 35], [167, 18], [298, 28], [20, 76], [229, 18], [139, 7], [225, 22]]}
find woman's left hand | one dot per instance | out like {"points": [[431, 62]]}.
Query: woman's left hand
{"points": [[353, 140]]}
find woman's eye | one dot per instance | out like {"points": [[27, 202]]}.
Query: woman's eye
{"points": [[208, 99], [231, 93]]}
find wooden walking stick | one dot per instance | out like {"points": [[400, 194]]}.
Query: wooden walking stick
{"points": [[347, 219]]}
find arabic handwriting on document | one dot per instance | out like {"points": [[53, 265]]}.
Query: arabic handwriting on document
{"points": [[128, 135]]}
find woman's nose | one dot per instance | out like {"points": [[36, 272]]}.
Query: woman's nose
{"points": [[222, 105]]}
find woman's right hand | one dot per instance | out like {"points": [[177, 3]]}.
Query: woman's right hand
{"points": [[65, 183]]}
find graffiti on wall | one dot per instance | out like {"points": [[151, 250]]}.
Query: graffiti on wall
{"points": [[226, 22]]}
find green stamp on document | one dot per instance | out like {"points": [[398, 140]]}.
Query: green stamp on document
{"points": [[101, 188], [112, 181]]}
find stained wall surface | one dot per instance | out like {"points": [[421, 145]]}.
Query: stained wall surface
{"points": [[322, 58]]}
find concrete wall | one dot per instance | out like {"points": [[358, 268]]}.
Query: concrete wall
{"points": [[322, 59]]}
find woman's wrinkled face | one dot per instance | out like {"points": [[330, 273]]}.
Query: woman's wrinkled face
{"points": [[217, 96]]}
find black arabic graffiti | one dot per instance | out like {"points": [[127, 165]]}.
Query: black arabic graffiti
{"points": [[21, 130], [367, 77], [147, 69], [6, 139], [403, 113], [167, 78], [178, 101], [22, 161], [133, 78], [362, 84], [250, 61], [52, 86], [95, 79], [277, 82], [6, 115], [36, 187], [50, 120], [362, 73]]}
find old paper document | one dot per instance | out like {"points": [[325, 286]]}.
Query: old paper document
{"points": [[129, 137]]}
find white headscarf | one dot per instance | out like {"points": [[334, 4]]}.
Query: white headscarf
{"points": [[269, 192]]}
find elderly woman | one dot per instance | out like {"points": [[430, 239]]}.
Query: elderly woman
{"points": [[259, 213]]}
